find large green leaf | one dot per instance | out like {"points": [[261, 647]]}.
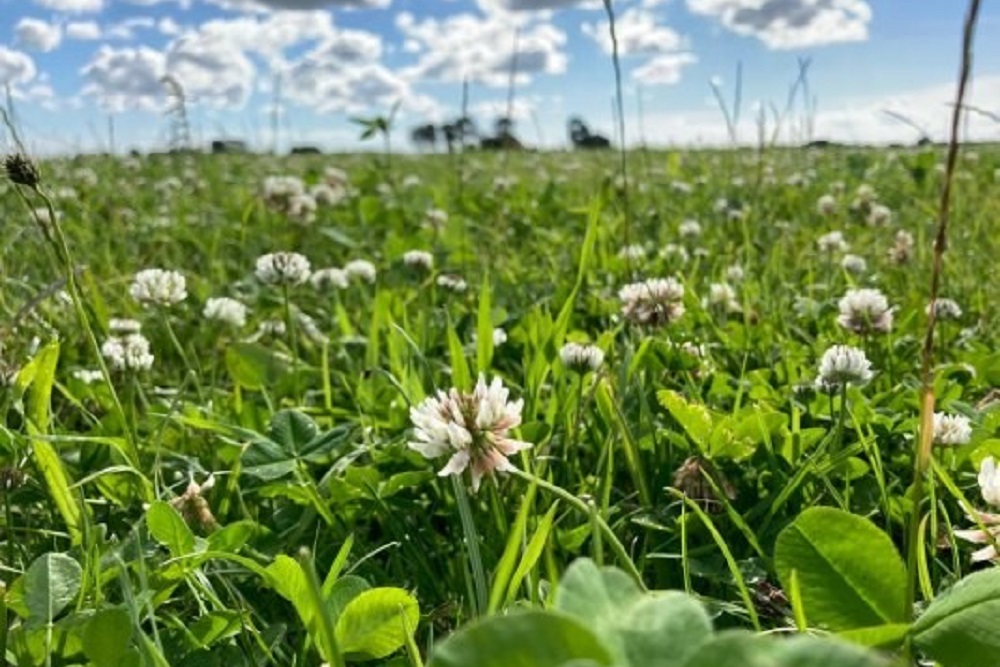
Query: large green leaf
{"points": [[743, 649], [642, 630], [694, 418], [106, 637], [961, 628], [849, 571], [526, 639], [376, 623], [254, 366], [169, 529], [51, 582]]}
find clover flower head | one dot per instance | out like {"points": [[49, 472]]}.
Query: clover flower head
{"points": [[472, 427], [361, 269], [865, 311], [328, 278], [225, 310], [418, 259], [951, 429], [282, 268], [128, 353], [653, 302], [158, 287], [842, 365], [581, 358]]}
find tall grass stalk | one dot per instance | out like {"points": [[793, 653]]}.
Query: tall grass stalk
{"points": [[925, 435], [620, 117]]}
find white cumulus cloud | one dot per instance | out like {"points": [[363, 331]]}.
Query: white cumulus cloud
{"points": [[83, 30], [791, 24], [15, 67], [37, 35], [72, 6]]}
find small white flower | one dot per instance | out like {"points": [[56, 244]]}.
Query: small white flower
{"points": [[329, 278], [832, 242], [722, 294], [158, 287], [472, 427], [865, 193], [335, 177], [302, 208], [581, 358], [734, 273], [842, 365], [88, 376], [271, 328], [653, 302], [865, 311], [989, 481], [672, 251], [452, 282], [989, 487], [951, 429], [278, 190], [282, 268], [945, 309], [435, 218], [328, 195], [418, 259], [689, 229], [632, 252], [499, 336], [879, 215], [826, 205], [128, 352], [124, 325], [225, 310], [361, 269], [902, 249], [854, 264]]}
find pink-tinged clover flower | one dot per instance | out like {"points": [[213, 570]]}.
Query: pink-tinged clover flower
{"points": [[988, 530], [473, 427]]}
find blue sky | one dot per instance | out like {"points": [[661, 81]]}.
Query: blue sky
{"points": [[72, 64]]}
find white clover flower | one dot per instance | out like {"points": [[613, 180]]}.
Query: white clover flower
{"points": [[902, 249], [282, 268], [865, 193], [329, 278], [411, 181], [734, 273], [499, 336], [951, 429], [945, 309], [452, 282], [361, 269], [158, 287], [88, 376], [842, 365], [653, 302], [435, 218], [328, 195], [307, 324], [689, 229], [278, 190], [989, 487], [681, 187], [632, 252], [474, 428], [723, 294], [335, 177], [225, 310], [879, 215], [271, 327], [672, 250], [826, 205], [129, 352], [302, 208], [581, 358], [832, 242], [124, 325], [865, 311], [854, 264], [418, 259]]}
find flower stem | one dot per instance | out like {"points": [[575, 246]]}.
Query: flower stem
{"points": [[616, 546], [480, 603]]}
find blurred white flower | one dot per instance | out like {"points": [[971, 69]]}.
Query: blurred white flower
{"points": [[128, 352], [158, 287], [879, 215], [842, 365], [329, 278], [282, 268], [435, 219], [689, 229], [452, 282], [124, 325], [88, 376], [865, 311], [951, 429], [854, 264], [734, 273], [902, 248], [581, 358], [418, 259], [723, 294], [826, 205], [653, 302], [474, 428], [632, 252], [361, 269], [945, 309], [335, 177], [672, 250], [832, 242], [225, 310]]}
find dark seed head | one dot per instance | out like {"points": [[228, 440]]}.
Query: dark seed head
{"points": [[21, 170], [11, 479]]}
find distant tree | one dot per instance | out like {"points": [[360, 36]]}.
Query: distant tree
{"points": [[504, 138], [581, 136], [459, 132], [425, 137]]}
